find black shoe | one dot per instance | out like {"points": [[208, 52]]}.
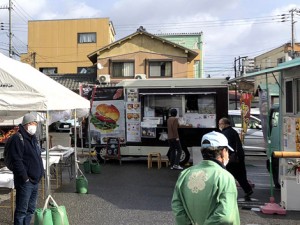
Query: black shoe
{"points": [[277, 187], [247, 196]]}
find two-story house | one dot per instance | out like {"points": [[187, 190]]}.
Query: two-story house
{"points": [[143, 55], [62, 46]]}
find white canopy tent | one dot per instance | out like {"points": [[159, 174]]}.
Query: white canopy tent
{"points": [[24, 89]]}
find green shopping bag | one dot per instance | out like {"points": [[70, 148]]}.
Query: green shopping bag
{"points": [[59, 214], [81, 183], [43, 216], [55, 215]]}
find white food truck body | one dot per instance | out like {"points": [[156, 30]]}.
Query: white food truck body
{"points": [[143, 110]]}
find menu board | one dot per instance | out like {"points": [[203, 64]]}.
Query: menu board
{"points": [[133, 121], [200, 120], [113, 147], [289, 134], [107, 120], [132, 95]]}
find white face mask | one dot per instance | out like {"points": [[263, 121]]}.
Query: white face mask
{"points": [[31, 129], [226, 162]]}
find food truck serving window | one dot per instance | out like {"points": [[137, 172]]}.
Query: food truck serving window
{"points": [[188, 105]]}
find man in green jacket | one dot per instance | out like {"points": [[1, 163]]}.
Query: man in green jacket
{"points": [[206, 193]]}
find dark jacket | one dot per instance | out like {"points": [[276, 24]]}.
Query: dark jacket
{"points": [[26, 158], [234, 141]]}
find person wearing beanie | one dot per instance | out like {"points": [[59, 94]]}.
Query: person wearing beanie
{"points": [[174, 142], [27, 167]]}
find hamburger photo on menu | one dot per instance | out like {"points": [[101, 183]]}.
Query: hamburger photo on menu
{"points": [[105, 118]]}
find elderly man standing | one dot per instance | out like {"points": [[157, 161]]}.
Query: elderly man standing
{"points": [[236, 165], [27, 167], [206, 193]]}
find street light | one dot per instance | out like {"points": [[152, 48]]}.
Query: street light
{"points": [[235, 74]]}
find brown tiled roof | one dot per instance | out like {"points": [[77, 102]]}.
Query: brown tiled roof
{"points": [[72, 81]]}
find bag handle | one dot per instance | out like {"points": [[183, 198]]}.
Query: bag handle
{"points": [[56, 206], [81, 173], [47, 201]]}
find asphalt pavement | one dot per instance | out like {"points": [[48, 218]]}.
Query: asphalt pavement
{"points": [[132, 194]]}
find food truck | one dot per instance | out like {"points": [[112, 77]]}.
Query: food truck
{"points": [[135, 112]]}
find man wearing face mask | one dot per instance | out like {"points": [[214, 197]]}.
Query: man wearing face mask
{"points": [[206, 193], [236, 166], [27, 169]]}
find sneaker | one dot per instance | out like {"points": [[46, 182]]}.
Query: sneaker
{"points": [[177, 167], [247, 196], [171, 167]]}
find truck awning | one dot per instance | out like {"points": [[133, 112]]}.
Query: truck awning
{"points": [[177, 93], [282, 66]]}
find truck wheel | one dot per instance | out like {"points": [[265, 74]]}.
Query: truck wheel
{"points": [[185, 156], [101, 152]]}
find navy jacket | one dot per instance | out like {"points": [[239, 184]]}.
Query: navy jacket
{"points": [[234, 141], [26, 158]]}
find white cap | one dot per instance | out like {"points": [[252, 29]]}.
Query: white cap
{"points": [[215, 140]]}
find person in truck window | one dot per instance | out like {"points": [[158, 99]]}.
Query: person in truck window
{"points": [[174, 142]]}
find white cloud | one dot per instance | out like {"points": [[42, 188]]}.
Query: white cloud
{"points": [[223, 40]]}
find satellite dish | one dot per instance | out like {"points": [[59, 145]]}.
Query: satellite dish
{"points": [[99, 66]]}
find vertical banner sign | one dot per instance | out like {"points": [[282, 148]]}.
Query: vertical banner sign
{"points": [[263, 108], [245, 100]]}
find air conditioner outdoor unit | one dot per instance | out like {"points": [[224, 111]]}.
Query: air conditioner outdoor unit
{"points": [[140, 76], [104, 78]]}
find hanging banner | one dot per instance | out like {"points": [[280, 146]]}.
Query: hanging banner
{"points": [[263, 108], [245, 101]]}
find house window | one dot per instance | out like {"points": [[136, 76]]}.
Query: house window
{"points": [[123, 69], [86, 70], [197, 68], [48, 70], [86, 37], [280, 60], [160, 69], [289, 100]]}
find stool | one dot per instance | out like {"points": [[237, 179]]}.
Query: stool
{"points": [[165, 159], [154, 156]]}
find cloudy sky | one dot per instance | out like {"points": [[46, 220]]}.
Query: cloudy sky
{"points": [[231, 28]]}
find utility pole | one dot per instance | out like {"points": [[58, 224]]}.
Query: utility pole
{"points": [[235, 83], [9, 29], [292, 25], [284, 18], [10, 33], [239, 73]]}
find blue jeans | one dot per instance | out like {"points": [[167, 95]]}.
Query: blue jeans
{"points": [[26, 199], [175, 151]]}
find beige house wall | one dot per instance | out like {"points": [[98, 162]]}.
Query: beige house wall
{"points": [[179, 64], [142, 48], [270, 59], [54, 43]]}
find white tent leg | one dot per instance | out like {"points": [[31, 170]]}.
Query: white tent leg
{"points": [[48, 188]]}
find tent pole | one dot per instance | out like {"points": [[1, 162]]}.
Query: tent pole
{"points": [[47, 156], [75, 144]]}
